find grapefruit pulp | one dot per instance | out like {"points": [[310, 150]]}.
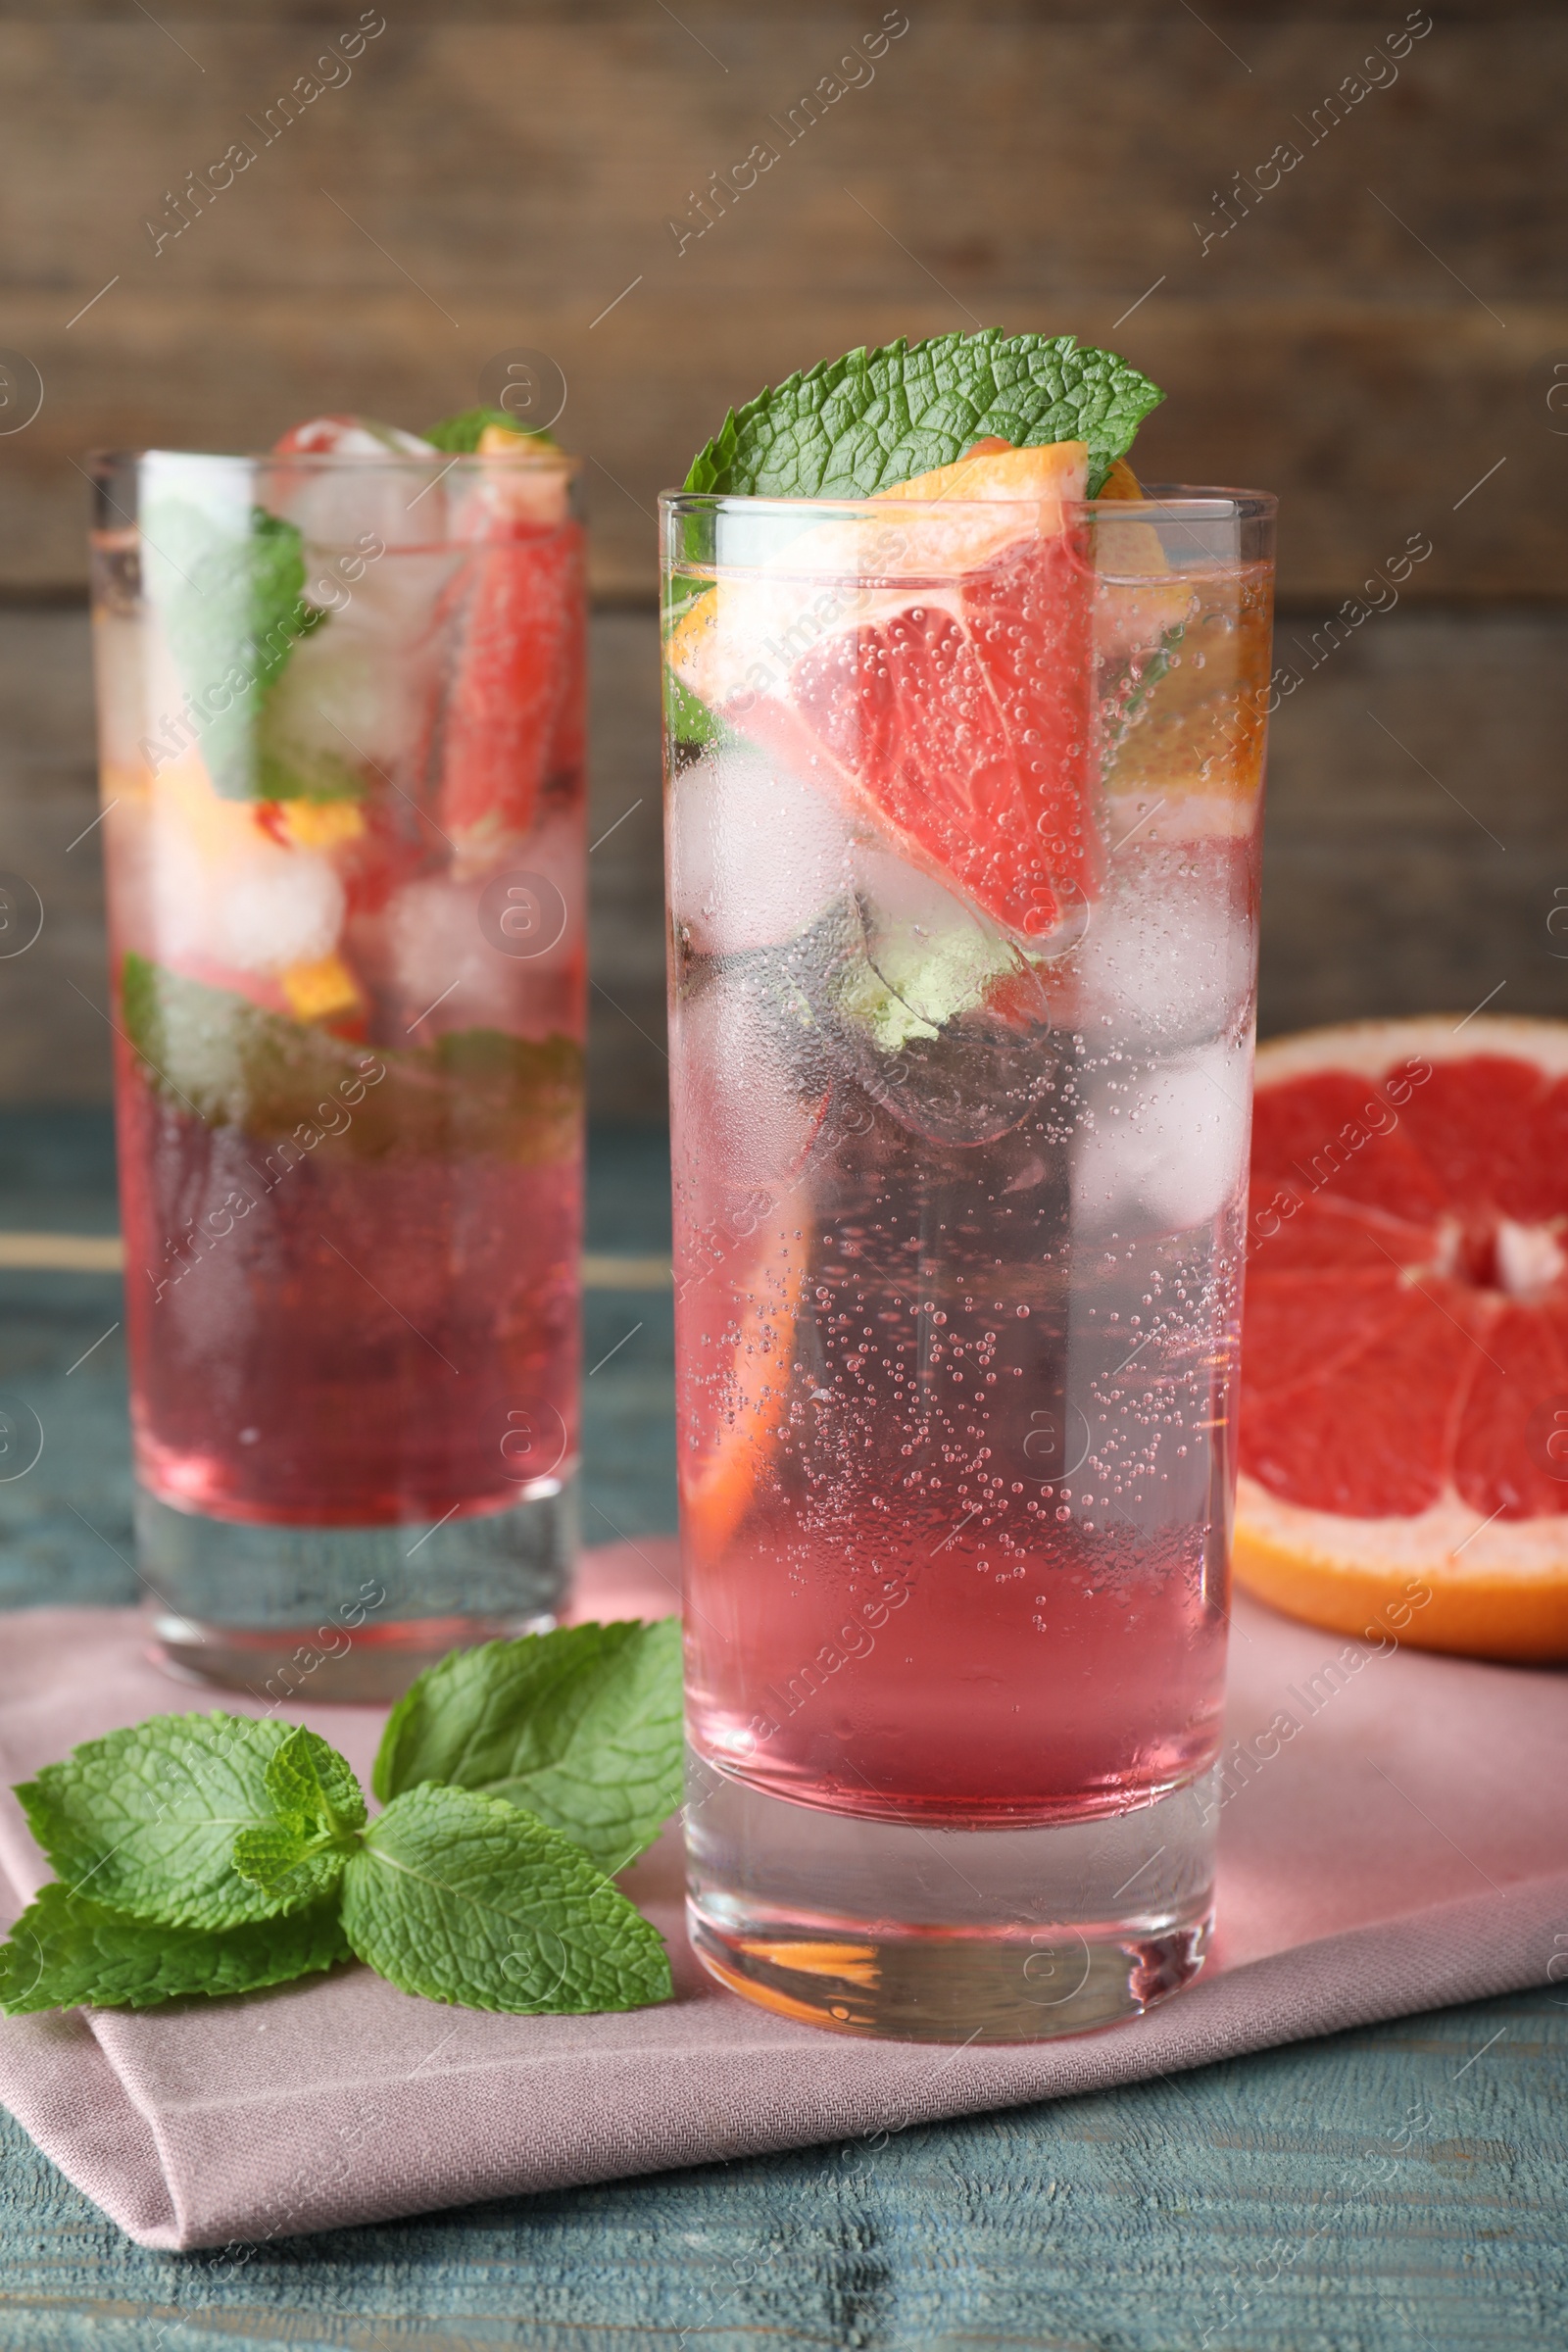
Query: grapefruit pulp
{"points": [[1404, 1437]]}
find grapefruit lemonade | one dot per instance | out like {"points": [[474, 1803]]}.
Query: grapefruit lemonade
{"points": [[341, 716], [964, 754]]}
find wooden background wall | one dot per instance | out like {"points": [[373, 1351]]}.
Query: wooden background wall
{"points": [[1382, 337]]}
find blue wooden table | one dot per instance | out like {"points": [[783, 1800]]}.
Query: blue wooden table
{"points": [[1399, 2189]]}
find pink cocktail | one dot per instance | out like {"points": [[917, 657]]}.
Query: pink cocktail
{"points": [[962, 823], [341, 699]]}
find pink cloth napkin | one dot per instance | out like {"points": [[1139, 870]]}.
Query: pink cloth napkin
{"points": [[1405, 1846]]}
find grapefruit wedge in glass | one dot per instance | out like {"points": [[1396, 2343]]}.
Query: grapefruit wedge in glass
{"points": [[513, 717], [935, 675], [1403, 1430]]}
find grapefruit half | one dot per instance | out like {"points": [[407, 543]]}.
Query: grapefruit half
{"points": [[1404, 1420]]}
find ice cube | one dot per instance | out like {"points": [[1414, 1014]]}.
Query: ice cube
{"points": [[434, 955], [755, 855], [554, 852], [1167, 958], [359, 688], [281, 907], [928, 946], [377, 488], [529, 486], [742, 1121], [436, 945], [165, 886], [1162, 1145], [935, 1012], [345, 436]]}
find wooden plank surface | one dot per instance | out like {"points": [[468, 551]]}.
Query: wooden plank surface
{"points": [[1360, 2194], [1368, 336]]}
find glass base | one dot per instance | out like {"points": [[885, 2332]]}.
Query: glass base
{"points": [[292, 1614], [924, 1933]]}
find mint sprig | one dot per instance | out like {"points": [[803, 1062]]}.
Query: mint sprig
{"points": [[212, 1051], [849, 427], [216, 1854], [318, 1807]]}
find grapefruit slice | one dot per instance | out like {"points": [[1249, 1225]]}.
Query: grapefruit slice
{"points": [[721, 1478], [514, 685], [1403, 1428], [1120, 482], [934, 670]]}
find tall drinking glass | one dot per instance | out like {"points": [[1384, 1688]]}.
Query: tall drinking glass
{"points": [[341, 720], [962, 866]]}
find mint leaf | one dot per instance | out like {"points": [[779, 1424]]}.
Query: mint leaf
{"points": [[913, 988], [581, 1727], [460, 435], [66, 1950], [849, 427], [284, 1865], [463, 1898], [145, 1820], [686, 720], [318, 1805], [474, 1092], [313, 1788], [289, 766], [229, 588]]}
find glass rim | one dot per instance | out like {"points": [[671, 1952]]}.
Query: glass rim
{"points": [[1191, 502], [101, 461]]}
